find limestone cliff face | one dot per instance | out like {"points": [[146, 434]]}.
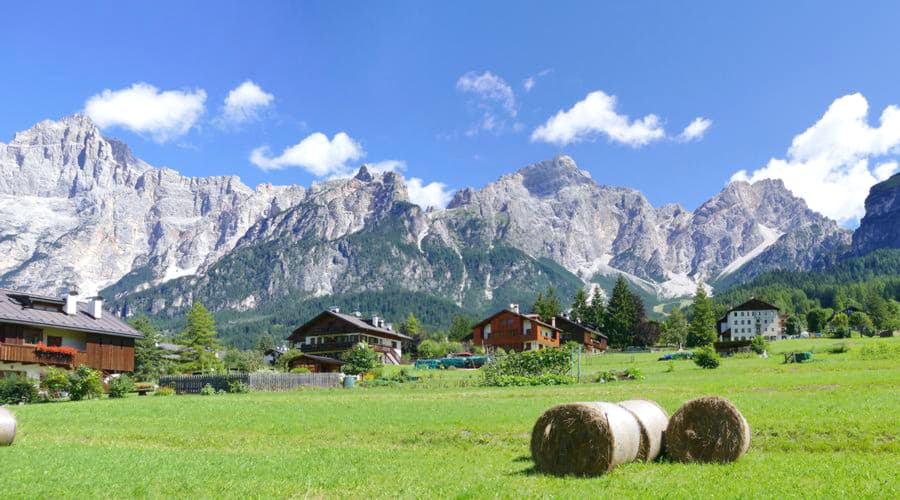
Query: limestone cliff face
{"points": [[880, 228], [78, 209]]}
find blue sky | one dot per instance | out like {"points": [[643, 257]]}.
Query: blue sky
{"points": [[441, 88]]}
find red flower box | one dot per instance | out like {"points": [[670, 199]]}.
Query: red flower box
{"points": [[59, 350]]}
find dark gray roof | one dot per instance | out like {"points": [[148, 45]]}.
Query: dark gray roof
{"points": [[13, 312], [321, 359], [359, 322]]}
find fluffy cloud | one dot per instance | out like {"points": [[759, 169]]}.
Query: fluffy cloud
{"points": [[245, 102], [142, 108], [489, 87], [828, 164], [696, 130], [433, 194], [596, 114], [316, 154]]}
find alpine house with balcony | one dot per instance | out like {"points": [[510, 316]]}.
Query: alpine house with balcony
{"points": [[332, 333], [38, 331]]}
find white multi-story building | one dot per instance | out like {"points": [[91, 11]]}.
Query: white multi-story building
{"points": [[750, 319]]}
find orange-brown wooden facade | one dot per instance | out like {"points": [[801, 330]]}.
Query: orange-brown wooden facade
{"points": [[102, 352], [508, 330]]}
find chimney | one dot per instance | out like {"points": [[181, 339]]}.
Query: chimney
{"points": [[514, 308], [375, 320], [389, 326], [97, 307], [335, 309], [553, 322], [72, 303]]}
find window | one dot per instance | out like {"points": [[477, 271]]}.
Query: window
{"points": [[32, 336], [54, 341]]}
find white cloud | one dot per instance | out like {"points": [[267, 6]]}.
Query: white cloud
{"points": [[531, 81], [489, 87], [316, 154], [142, 108], [596, 114], [433, 194], [696, 129], [245, 102], [828, 164]]}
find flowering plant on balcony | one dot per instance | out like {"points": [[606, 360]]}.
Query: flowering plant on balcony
{"points": [[42, 348]]}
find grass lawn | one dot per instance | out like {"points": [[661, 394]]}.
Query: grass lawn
{"points": [[827, 428]]}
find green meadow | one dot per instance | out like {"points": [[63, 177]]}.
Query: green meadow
{"points": [[826, 428]]}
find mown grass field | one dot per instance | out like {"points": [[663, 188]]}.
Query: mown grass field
{"points": [[828, 428]]}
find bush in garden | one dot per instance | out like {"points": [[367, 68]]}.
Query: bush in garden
{"points": [[85, 383], [759, 344], [55, 381], [300, 369], [120, 386], [165, 390], [532, 365], [207, 390], [360, 359], [15, 390], [706, 357], [238, 387]]}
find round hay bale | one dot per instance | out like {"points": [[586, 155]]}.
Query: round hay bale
{"points": [[7, 427], [584, 439], [708, 429], [653, 421]]}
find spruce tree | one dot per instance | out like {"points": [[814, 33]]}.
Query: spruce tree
{"points": [[703, 321], [547, 305], [619, 321], [200, 341], [580, 309], [597, 310], [148, 357], [265, 343]]}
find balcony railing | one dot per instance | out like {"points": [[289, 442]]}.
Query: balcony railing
{"points": [[19, 353], [340, 346]]}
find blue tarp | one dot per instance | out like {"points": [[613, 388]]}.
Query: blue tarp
{"points": [[460, 362]]}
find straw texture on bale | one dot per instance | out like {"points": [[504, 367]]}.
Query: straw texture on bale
{"points": [[7, 427], [653, 421], [708, 429], [584, 439]]}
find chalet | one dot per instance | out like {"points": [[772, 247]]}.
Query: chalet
{"points": [[750, 319], [510, 329], [316, 364], [37, 331], [331, 333], [573, 331]]}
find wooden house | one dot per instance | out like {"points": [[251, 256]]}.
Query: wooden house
{"points": [[38, 331], [573, 331], [510, 330], [332, 333]]}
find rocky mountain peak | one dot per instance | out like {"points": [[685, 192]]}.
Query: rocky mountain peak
{"points": [[880, 228], [363, 174], [548, 177]]}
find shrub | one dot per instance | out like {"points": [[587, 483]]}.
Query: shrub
{"points": [[300, 369], [120, 386], [632, 374], [207, 390], [285, 359], [529, 364], [360, 359], [238, 387], [518, 380], [706, 358], [606, 376], [15, 390], [164, 390], [55, 382], [85, 383], [838, 349], [759, 344]]}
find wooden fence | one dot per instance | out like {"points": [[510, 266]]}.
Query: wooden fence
{"points": [[191, 384]]}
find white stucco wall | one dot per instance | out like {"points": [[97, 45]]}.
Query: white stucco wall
{"points": [[745, 325]]}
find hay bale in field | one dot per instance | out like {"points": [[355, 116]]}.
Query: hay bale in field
{"points": [[708, 429], [7, 427], [584, 439], [653, 421]]}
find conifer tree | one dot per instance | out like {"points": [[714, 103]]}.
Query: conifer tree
{"points": [[580, 309], [547, 305], [148, 357], [200, 341], [703, 321], [597, 310], [620, 320], [675, 329]]}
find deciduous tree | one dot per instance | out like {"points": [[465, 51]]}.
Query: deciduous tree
{"points": [[703, 322]]}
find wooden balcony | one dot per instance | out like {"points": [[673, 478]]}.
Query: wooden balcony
{"points": [[340, 346], [97, 356]]}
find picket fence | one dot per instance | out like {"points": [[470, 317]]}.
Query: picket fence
{"points": [[191, 384]]}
